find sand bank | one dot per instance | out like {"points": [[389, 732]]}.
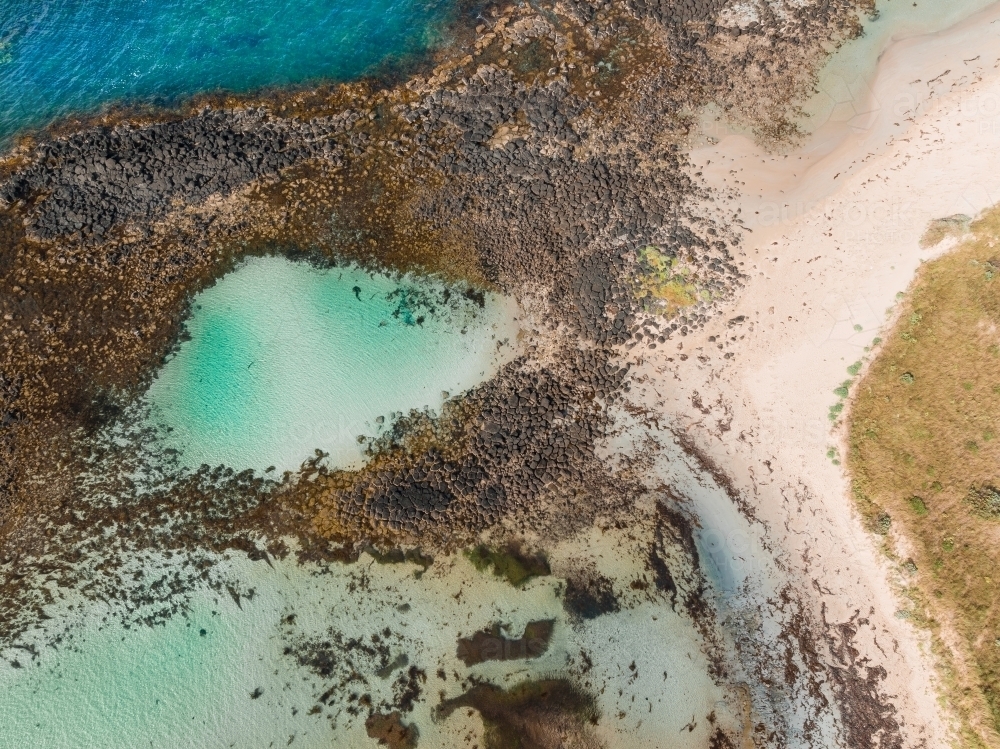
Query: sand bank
{"points": [[834, 235]]}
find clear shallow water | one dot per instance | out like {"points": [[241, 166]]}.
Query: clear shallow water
{"points": [[285, 358], [843, 82], [62, 56], [166, 686], [107, 687]]}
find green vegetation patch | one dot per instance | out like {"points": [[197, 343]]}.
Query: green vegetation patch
{"points": [[918, 506], [665, 285], [882, 523], [511, 563]]}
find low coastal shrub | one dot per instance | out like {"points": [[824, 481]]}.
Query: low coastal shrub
{"points": [[918, 506], [940, 229], [923, 457], [665, 285], [984, 501], [882, 524]]}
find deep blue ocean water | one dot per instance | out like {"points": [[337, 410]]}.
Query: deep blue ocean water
{"points": [[64, 56]]}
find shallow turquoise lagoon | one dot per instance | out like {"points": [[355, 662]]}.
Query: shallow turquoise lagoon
{"points": [[189, 682], [62, 56], [109, 687], [227, 674], [285, 358], [219, 675]]}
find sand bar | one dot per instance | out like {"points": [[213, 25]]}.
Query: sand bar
{"points": [[834, 235]]}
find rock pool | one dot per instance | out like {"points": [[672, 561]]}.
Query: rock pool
{"points": [[285, 358]]}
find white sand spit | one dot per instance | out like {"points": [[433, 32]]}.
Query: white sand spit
{"points": [[835, 228]]}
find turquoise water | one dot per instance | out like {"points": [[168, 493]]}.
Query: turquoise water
{"points": [[186, 683], [104, 686], [285, 358], [139, 687], [62, 56]]}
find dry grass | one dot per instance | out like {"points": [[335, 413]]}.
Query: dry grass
{"points": [[925, 458], [940, 229]]}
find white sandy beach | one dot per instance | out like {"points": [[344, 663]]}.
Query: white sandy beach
{"points": [[834, 232]]}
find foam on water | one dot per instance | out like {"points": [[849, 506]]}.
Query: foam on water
{"points": [[63, 56], [285, 358]]}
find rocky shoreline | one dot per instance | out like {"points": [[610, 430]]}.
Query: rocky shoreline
{"points": [[539, 165], [542, 156]]}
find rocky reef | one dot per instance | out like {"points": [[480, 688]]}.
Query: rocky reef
{"points": [[540, 154]]}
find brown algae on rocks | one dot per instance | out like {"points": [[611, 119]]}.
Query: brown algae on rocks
{"points": [[494, 645], [512, 562], [544, 714]]}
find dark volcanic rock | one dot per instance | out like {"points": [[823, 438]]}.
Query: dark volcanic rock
{"points": [[493, 645], [98, 179]]}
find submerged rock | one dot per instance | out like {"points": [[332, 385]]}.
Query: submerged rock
{"points": [[493, 645], [390, 731], [547, 714]]}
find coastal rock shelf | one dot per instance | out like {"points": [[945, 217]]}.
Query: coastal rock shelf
{"points": [[96, 180], [278, 330]]}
